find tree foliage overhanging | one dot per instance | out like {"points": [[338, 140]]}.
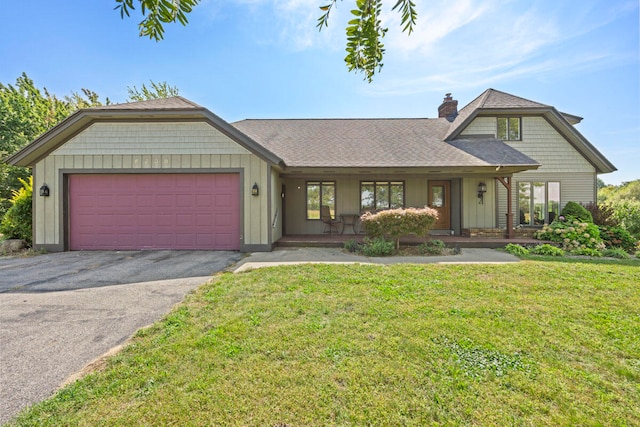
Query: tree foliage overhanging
{"points": [[364, 31]]}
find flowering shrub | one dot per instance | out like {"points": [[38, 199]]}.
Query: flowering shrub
{"points": [[395, 223], [572, 234]]}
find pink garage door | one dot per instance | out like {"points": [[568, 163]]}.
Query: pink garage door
{"points": [[149, 211]]}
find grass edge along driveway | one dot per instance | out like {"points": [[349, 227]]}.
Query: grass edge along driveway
{"points": [[533, 343]]}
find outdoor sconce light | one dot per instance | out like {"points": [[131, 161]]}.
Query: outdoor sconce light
{"points": [[482, 188], [255, 190], [44, 190]]}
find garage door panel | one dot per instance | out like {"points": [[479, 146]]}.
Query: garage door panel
{"points": [[154, 211]]}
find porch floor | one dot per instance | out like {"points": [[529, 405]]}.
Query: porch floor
{"points": [[337, 240]]}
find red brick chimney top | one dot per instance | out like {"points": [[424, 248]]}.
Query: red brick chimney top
{"points": [[449, 108]]}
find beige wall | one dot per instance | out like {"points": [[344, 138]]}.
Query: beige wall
{"points": [[165, 147], [560, 162]]}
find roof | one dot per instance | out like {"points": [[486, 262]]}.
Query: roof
{"points": [[492, 102], [164, 108], [345, 143], [336, 143]]}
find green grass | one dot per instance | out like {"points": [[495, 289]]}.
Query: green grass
{"points": [[527, 344]]}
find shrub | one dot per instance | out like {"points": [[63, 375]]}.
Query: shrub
{"points": [[516, 250], [602, 214], [627, 212], [547, 250], [377, 247], [432, 247], [587, 252], [616, 253], [351, 245], [617, 237], [395, 223], [16, 223], [576, 211], [572, 234]]}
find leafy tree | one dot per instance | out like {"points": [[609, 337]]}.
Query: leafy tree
{"points": [[364, 32], [25, 113], [156, 91]]}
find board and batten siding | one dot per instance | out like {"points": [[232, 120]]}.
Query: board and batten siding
{"points": [[560, 162], [159, 146]]}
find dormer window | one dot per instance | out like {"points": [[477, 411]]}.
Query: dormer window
{"points": [[509, 129]]}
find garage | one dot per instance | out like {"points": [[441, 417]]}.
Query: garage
{"points": [[154, 211]]}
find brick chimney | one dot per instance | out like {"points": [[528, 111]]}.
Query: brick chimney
{"points": [[449, 108]]}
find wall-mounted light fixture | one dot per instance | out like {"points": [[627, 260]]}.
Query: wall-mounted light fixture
{"points": [[255, 190], [482, 188], [44, 190]]}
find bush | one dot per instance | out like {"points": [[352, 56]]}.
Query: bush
{"points": [[432, 247], [576, 211], [572, 234], [16, 223], [377, 247], [351, 245], [616, 253], [547, 250], [627, 212], [516, 250], [587, 252], [602, 214], [395, 223], [617, 237]]}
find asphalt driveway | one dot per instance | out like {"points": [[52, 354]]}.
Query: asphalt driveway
{"points": [[58, 312]]}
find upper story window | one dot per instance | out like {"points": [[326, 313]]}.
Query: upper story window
{"points": [[509, 129], [380, 195]]}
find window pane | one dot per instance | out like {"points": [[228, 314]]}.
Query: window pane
{"points": [[553, 200], [514, 129], [397, 195], [524, 202], [328, 195], [538, 203], [502, 128], [313, 200], [437, 196], [382, 195], [367, 196]]}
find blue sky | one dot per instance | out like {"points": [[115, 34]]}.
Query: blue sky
{"points": [[265, 59]]}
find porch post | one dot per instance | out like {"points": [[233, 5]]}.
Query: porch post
{"points": [[506, 181]]}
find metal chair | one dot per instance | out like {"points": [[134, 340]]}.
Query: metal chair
{"points": [[329, 223]]}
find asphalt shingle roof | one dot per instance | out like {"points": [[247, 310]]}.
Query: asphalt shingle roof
{"points": [[368, 143]]}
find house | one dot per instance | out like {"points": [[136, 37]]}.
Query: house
{"points": [[169, 173]]}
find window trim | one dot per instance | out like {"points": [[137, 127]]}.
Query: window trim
{"points": [[531, 183], [508, 118], [389, 183], [320, 183]]}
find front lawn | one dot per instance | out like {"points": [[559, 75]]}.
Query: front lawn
{"points": [[527, 344]]}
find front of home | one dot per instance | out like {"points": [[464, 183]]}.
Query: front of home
{"points": [[170, 174]]}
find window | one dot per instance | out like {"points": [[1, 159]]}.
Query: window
{"points": [[538, 202], [509, 129], [320, 193], [380, 195]]}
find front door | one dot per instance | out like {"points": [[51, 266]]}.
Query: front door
{"points": [[440, 200]]}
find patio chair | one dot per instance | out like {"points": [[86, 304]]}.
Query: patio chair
{"points": [[329, 223]]}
